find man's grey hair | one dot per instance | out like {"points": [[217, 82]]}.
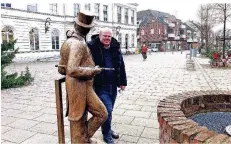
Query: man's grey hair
{"points": [[105, 29]]}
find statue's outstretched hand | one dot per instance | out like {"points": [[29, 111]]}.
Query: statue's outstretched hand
{"points": [[96, 70]]}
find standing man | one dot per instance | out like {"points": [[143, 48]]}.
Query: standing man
{"points": [[144, 50], [77, 64], [106, 53]]}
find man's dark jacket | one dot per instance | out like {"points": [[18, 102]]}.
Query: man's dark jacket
{"points": [[96, 48]]}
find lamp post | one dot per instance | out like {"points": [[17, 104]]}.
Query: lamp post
{"points": [[48, 21], [117, 29], [165, 44]]}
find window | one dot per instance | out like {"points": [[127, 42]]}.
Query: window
{"points": [[159, 31], [7, 34], [88, 6], [8, 5], [53, 8], [32, 7], [132, 17], [119, 13], [55, 38], [76, 9], [105, 14], [126, 16], [152, 31], [97, 11], [142, 32], [133, 39], [34, 39]]}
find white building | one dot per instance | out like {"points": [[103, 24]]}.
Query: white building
{"points": [[26, 23]]}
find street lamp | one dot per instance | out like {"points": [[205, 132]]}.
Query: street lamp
{"points": [[165, 45], [118, 30], [48, 20]]}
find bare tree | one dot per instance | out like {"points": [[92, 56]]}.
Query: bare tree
{"points": [[222, 15], [206, 23]]}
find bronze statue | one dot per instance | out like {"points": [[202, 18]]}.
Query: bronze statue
{"points": [[77, 64]]}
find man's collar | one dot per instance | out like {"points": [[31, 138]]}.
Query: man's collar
{"points": [[107, 47]]}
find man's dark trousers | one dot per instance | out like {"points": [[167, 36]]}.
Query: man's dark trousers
{"points": [[107, 94]]}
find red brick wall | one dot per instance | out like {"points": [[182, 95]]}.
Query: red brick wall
{"points": [[156, 37], [175, 127]]}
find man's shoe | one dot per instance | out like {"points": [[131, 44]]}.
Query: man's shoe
{"points": [[108, 140], [114, 135]]}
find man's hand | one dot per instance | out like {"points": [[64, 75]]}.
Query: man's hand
{"points": [[122, 87]]}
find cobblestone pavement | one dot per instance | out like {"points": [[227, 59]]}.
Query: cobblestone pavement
{"points": [[29, 113]]}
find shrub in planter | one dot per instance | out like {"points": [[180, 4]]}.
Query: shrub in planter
{"points": [[12, 80], [229, 53]]}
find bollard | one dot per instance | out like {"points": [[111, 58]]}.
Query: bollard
{"points": [[59, 109]]}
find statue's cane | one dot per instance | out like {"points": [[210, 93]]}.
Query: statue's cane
{"points": [[59, 109]]}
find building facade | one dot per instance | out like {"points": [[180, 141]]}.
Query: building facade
{"points": [[26, 23], [164, 33]]}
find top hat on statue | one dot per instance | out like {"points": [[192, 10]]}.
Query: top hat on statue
{"points": [[85, 19]]}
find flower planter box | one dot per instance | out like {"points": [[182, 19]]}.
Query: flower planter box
{"points": [[216, 56]]}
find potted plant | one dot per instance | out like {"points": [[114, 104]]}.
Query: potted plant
{"points": [[215, 54], [229, 53]]}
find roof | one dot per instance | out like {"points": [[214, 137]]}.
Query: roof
{"points": [[147, 16]]}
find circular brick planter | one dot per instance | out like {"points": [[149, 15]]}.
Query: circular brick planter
{"points": [[173, 113]]}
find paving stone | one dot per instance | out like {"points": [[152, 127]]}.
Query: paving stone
{"points": [[32, 108], [23, 124], [49, 118], [21, 101], [153, 115], [28, 115], [5, 129], [146, 103], [145, 122], [128, 138], [148, 141], [7, 120], [150, 133], [17, 135], [48, 111], [122, 119], [149, 108], [12, 112], [137, 113], [129, 106], [8, 142], [18, 106], [46, 128], [7, 105], [125, 142], [41, 139], [128, 129]]}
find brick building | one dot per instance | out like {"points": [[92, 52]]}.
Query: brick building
{"points": [[161, 30]]}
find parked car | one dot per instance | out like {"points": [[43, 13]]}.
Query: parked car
{"points": [[155, 49]]}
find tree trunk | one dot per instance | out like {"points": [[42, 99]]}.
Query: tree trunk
{"points": [[224, 32], [206, 30]]}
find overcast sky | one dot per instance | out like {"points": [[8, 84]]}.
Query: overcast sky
{"points": [[182, 10]]}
